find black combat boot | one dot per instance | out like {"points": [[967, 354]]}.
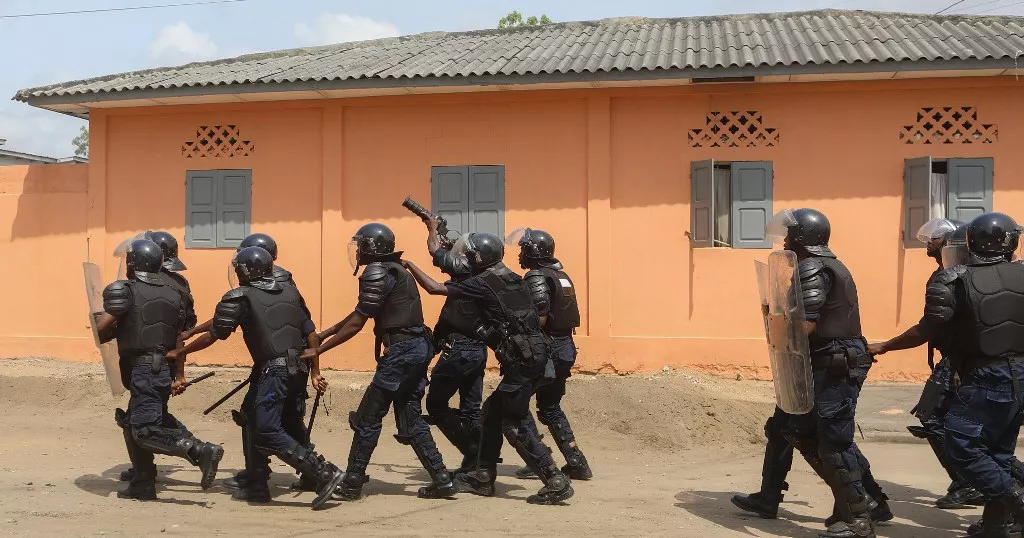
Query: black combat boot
{"points": [[860, 527], [577, 467], [254, 489], [557, 487], [960, 496], [478, 482], [879, 511], [142, 487], [995, 522], [206, 456], [351, 486], [127, 475], [304, 483], [764, 504], [240, 480], [443, 486]]}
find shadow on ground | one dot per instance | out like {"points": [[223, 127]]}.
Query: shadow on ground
{"points": [[916, 515]]}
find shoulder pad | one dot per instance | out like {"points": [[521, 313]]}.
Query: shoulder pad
{"points": [[374, 271], [117, 297], [281, 274], [810, 267], [177, 278], [233, 295], [537, 283], [947, 276], [939, 300]]}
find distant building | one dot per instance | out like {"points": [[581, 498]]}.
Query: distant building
{"points": [[11, 158]]}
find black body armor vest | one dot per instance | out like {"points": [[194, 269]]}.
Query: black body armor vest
{"points": [[840, 315], [274, 324], [402, 309], [991, 324], [564, 312], [523, 339], [153, 322]]}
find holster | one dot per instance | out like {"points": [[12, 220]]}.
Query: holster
{"points": [[932, 397], [295, 364]]}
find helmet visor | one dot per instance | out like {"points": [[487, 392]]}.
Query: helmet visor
{"points": [[954, 255], [232, 276], [516, 236], [935, 229], [778, 228], [353, 254], [121, 252]]}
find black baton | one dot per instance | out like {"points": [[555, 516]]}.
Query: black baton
{"points": [[312, 416], [226, 396], [207, 375]]}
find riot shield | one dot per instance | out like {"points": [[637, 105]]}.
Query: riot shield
{"points": [[787, 340], [761, 269], [108, 351]]}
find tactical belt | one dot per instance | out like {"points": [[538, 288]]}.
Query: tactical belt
{"points": [[391, 339], [155, 360], [293, 362], [562, 334], [841, 362]]}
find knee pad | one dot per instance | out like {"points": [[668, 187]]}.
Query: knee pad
{"points": [[372, 409]]}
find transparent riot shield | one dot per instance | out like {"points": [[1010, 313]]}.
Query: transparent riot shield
{"points": [[787, 339], [761, 269], [108, 351]]}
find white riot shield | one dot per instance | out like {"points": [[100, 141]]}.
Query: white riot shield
{"points": [[108, 351], [787, 339]]}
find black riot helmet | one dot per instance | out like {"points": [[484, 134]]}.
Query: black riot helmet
{"points": [[481, 249], [144, 260], [372, 242], [535, 246], [253, 266], [169, 246], [993, 235], [802, 229], [263, 241]]}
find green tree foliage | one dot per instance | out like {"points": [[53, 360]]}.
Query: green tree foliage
{"points": [[515, 19], [81, 143]]}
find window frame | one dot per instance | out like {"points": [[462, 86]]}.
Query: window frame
{"points": [[218, 207]]}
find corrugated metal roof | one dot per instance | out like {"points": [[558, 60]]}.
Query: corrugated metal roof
{"points": [[828, 37]]}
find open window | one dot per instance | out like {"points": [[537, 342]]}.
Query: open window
{"points": [[958, 189], [731, 203]]}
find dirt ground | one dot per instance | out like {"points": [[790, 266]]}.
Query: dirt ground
{"points": [[668, 450]]}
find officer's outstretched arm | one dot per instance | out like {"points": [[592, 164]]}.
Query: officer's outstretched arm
{"points": [[198, 329], [346, 329], [911, 338], [105, 326], [428, 284]]}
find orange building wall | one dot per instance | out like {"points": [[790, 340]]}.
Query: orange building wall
{"points": [[605, 171], [42, 246]]}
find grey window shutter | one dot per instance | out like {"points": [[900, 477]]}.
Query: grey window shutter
{"points": [[702, 203], [234, 207], [201, 209], [449, 195], [487, 199], [751, 204], [917, 175], [970, 188]]}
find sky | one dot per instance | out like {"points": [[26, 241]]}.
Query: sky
{"points": [[43, 50]]}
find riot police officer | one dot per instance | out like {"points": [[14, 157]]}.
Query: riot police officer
{"points": [[981, 303], [276, 330], [147, 317], [284, 277], [388, 295], [554, 297], [840, 365], [510, 326], [462, 361], [939, 390], [170, 273]]}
